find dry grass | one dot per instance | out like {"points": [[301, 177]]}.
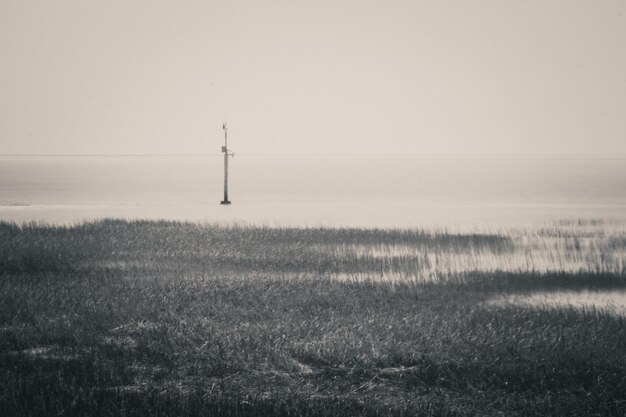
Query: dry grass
{"points": [[161, 318]]}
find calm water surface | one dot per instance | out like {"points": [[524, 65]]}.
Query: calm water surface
{"points": [[315, 191]]}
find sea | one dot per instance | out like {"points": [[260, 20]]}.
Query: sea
{"points": [[331, 191]]}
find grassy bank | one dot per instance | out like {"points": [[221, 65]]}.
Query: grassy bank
{"points": [[159, 318]]}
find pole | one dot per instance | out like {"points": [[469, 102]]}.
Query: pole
{"points": [[225, 150]]}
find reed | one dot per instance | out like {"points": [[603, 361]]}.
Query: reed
{"points": [[166, 318]]}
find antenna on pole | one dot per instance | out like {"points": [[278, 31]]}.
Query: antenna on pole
{"points": [[227, 153]]}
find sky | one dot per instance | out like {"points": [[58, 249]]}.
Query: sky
{"points": [[304, 77]]}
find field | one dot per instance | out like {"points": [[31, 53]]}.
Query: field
{"points": [[162, 318]]}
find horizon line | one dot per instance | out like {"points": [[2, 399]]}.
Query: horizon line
{"points": [[363, 155]]}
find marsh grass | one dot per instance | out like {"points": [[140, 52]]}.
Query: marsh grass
{"points": [[611, 302], [163, 318]]}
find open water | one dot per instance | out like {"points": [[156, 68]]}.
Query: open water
{"points": [[328, 191]]}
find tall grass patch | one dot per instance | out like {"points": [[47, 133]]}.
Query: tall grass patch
{"points": [[163, 318]]}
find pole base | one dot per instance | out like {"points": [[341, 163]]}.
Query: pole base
{"points": [[225, 202]]}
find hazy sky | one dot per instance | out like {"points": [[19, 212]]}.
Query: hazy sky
{"points": [[313, 77]]}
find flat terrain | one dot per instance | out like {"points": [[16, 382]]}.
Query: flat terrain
{"points": [[161, 318]]}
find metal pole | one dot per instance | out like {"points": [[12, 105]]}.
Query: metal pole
{"points": [[225, 150]]}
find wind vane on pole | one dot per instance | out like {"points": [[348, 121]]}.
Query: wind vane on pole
{"points": [[227, 153]]}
